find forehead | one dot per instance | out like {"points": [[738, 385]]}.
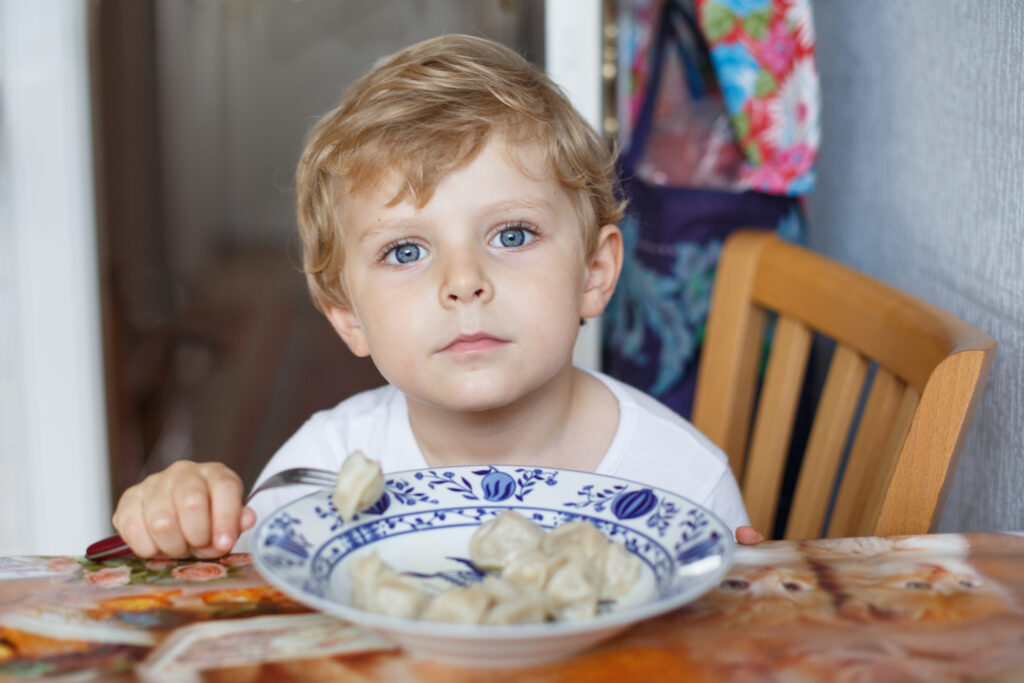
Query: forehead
{"points": [[499, 174]]}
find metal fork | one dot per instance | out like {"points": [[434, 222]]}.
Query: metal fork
{"points": [[114, 546]]}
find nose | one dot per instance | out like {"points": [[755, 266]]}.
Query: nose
{"points": [[465, 281]]}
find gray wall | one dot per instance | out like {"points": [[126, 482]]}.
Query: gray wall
{"points": [[921, 184]]}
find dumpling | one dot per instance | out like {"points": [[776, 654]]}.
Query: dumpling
{"points": [[532, 569], [364, 572], [501, 538], [360, 485], [398, 596], [620, 570], [513, 604], [376, 587], [464, 605], [561, 575], [573, 591], [578, 540]]}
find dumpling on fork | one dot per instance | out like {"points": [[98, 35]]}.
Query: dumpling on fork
{"points": [[360, 485]]}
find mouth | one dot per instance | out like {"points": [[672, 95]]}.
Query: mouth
{"points": [[473, 344]]}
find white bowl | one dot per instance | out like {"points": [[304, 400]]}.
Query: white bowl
{"points": [[423, 522]]}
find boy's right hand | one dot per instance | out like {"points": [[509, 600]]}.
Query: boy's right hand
{"points": [[189, 509]]}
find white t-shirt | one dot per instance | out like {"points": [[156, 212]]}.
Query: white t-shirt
{"points": [[652, 445]]}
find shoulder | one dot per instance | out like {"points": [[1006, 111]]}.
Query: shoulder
{"points": [[658, 447], [655, 422]]}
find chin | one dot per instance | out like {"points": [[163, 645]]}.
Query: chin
{"points": [[476, 397], [473, 402]]}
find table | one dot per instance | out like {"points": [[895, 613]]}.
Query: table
{"points": [[942, 607]]}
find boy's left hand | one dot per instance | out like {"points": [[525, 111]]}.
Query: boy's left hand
{"points": [[748, 535]]}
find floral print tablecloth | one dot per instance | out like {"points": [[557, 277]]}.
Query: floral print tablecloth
{"points": [[916, 608]]}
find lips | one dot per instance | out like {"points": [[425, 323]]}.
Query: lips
{"points": [[473, 344]]}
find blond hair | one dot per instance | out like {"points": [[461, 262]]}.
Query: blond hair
{"points": [[424, 112]]}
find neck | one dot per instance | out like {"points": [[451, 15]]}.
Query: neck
{"points": [[539, 429]]}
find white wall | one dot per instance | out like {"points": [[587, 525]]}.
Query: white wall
{"points": [[53, 456], [572, 49], [921, 184]]}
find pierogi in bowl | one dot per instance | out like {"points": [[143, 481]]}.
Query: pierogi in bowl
{"points": [[496, 565]]}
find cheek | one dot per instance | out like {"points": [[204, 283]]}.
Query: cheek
{"points": [[550, 305]]}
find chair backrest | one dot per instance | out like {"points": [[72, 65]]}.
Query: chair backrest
{"points": [[929, 370]]}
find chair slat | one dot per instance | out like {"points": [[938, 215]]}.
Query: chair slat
{"points": [[773, 425], [887, 459], [867, 453], [723, 407], [827, 441]]}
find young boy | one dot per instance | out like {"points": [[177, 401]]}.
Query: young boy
{"points": [[458, 219]]}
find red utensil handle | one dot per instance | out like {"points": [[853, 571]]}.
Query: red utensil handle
{"points": [[110, 547]]}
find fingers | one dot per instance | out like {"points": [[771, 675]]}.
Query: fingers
{"points": [[129, 520], [748, 535], [248, 518], [188, 509], [226, 508]]}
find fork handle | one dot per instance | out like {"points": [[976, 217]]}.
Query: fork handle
{"points": [[108, 548]]}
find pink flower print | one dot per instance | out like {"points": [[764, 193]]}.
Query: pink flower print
{"points": [[199, 571], [766, 178], [62, 565], [159, 565], [236, 560], [794, 161], [777, 49], [110, 577]]}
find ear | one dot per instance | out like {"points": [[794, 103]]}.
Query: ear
{"points": [[602, 273], [346, 323]]}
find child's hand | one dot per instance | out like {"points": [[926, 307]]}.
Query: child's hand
{"points": [[748, 535], [188, 509]]}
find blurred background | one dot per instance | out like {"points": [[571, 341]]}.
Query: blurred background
{"points": [[151, 303]]}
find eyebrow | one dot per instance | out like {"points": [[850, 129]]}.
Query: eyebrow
{"points": [[538, 204], [400, 224], [373, 233]]}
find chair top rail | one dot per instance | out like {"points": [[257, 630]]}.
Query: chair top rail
{"points": [[904, 334]]}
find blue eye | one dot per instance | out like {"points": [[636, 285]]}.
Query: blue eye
{"points": [[513, 237], [405, 253]]}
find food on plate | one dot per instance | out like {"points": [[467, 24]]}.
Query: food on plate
{"points": [[360, 485], [513, 603], [577, 539], [501, 538], [573, 591], [620, 570], [376, 587], [463, 605], [533, 576], [532, 569]]}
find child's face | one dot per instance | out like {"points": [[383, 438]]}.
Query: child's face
{"points": [[474, 300]]}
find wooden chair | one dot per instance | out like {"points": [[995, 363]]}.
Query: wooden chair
{"points": [[930, 368]]}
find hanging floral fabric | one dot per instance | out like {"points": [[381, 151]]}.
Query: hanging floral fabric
{"points": [[697, 166], [763, 55]]}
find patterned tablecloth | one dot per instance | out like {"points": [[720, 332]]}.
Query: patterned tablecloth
{"points": [[918, 608]]}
